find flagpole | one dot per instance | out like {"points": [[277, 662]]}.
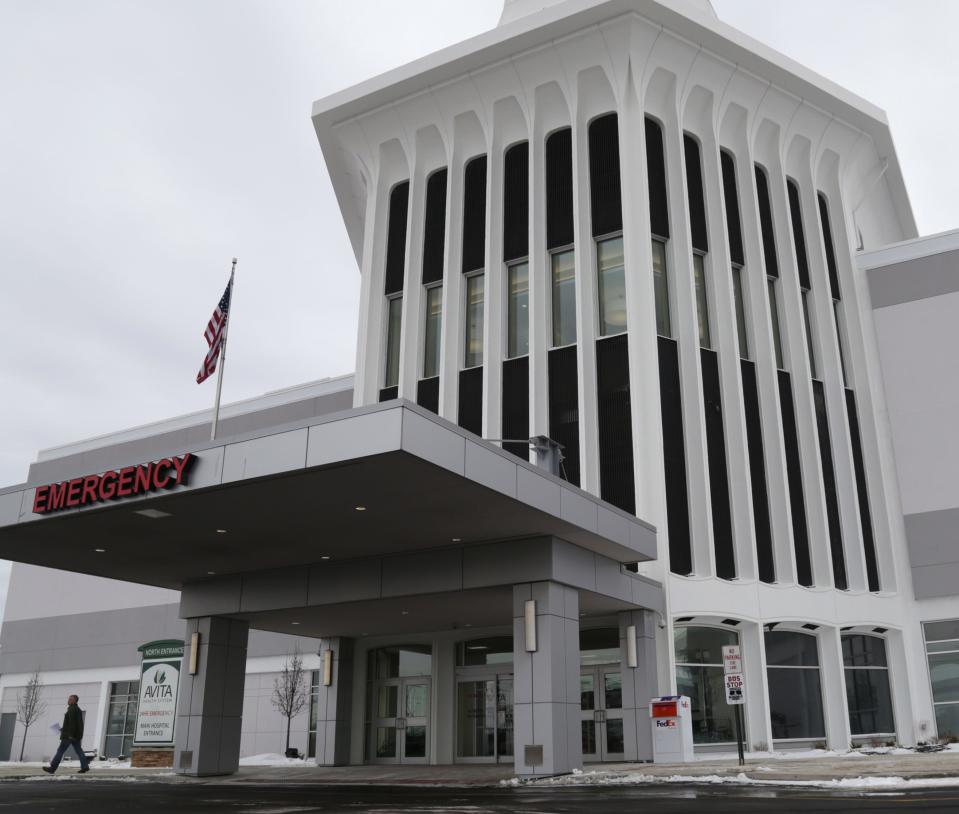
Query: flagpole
{"points": [[219, 375]]}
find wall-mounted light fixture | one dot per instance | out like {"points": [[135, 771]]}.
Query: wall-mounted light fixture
{"points": [[194, 653], [631, 659], [530, 614], [327, 668]]}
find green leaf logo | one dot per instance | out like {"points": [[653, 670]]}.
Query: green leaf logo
{"points": [[159, 677]]}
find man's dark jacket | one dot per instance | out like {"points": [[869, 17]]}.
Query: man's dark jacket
{"points": [[72, 729]]}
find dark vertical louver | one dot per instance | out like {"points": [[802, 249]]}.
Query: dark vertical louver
{"points": [[474, 215], [616, 481], [559, 189], [656, 177], [797, 500], [516, 202], [862, 490], [434, 228], [718, 477], [757, 473], [674, 458], [471, 400], [396, 238], [766, 223], [516, 405], [830, 247], [694, 191], [605, 194], [829, 486], [428, 393], [564, 407], [389, 393], [731, 196], [799, 236]]}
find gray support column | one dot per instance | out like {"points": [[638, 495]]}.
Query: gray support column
{"points": [[546, 721], [210, 711], [334, 704], [640, 683]]}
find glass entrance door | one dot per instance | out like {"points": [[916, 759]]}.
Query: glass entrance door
{"points": [[484, 719], [401, 720], [601, 705]]}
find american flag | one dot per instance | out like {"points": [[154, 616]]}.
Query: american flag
{"points": [[214, 333]]}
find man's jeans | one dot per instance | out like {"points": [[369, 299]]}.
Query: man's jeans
{"points": [[64, 745]]}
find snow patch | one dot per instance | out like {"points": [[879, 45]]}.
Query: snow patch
{"points": [[272, 759], [601, 778]]}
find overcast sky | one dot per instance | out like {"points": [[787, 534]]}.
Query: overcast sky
{"points": [[144, 144]]}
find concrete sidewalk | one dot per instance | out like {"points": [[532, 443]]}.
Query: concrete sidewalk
{"points": [[909, 766]]}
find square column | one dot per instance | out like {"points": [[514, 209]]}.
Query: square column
{"points": [[334, 703], [210, 711], [640, 683], [547, 737]]}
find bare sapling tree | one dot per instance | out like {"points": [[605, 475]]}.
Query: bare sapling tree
{"points": [[290, 693], [30, 706]]}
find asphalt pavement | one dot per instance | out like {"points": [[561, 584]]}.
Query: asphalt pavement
{"points": [[89, 796]]}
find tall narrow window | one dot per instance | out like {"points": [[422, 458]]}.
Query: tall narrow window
{"points": [[774, 318], [564, 298], [661, 289], [799, 235], [808, 325], [394, 321], [702, 303], [740, 312], [837, 316], [517, 317], [474, 320], [434, 320], [612, 286]]}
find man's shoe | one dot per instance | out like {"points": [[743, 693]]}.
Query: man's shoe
{"points": [[84, 769], [48, 770]]}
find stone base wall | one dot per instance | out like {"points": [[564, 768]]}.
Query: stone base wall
{"points": [[152, 759]]}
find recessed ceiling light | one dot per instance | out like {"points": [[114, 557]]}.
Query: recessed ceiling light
{"points": [[404, 613], [221, 531], [211, 573], [324, 556], [468, 624], [294, 623], [360, 508], [153, 514], [457, 539], [100, 550]]}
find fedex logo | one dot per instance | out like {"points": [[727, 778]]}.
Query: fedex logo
{"points": [[667, 724]]}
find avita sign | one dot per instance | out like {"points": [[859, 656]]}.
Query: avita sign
{"points": [[113, 484]]}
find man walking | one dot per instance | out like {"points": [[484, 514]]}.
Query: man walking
{"points": [[71, 733]]}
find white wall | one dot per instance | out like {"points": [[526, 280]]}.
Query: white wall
{"points": [[37, 592]]}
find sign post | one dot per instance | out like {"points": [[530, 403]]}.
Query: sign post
{"points": [[156, 713], [735, 691]]}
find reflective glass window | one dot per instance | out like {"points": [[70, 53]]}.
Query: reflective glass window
{"points": [[475, 285], [611, 278], [517, 316], [702, 300], [563, 273], [434, 321], [394, 322], [661, 289], [699, 675], [795, 686]]}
